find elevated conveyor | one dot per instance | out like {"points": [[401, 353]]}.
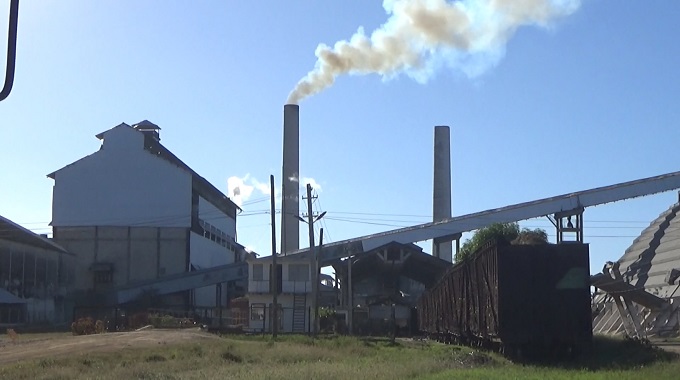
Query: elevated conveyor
{"points": [[182, 281], [521, 211]]}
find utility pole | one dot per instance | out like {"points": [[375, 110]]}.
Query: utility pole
{"points": [[274, 275], [316, 284], [313, 259], [313, 263]]}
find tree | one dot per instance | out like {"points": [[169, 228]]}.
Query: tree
{"points": [[527, 236], [508, 232], [501, 231]]}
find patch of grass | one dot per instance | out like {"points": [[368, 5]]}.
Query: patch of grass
{"points": [[617, 353], [295, 357], [155, 358], [231, 357], [46, 363]]}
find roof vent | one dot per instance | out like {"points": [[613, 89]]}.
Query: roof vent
{"points": [[148, 128]]}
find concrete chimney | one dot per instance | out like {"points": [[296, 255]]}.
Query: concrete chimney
{"points": [[441, 195], [290, 224]]}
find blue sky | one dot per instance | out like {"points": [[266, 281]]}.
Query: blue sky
{"points": [[588, 101]]}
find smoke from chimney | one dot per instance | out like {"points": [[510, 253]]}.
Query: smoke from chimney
{"points": [[419, 35]]}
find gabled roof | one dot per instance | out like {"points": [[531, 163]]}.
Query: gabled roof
{"points": [[11, 231], [419, 266], [153, 146], [146, 125], [100, 135]]}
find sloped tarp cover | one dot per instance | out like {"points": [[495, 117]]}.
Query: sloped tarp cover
{"points": [[9, 298]]}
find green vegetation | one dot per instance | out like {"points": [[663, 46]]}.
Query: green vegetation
{"points": [[338, 357], [509, 232]]}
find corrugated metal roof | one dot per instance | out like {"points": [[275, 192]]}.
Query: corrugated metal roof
{"points": [[653, 254], [9, 298], [13, 232], [644, 267]]}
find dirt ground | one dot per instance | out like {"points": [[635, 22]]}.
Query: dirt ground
{"points": [[59, 345], [672, 346]]}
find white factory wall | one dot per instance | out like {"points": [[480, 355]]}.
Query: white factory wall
{"points": [[122, 184], [217, 218], [137, 253], [206, 253], [293, 282]]}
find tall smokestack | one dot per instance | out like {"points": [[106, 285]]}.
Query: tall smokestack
{"points": [[441, 195], [290, 227]]}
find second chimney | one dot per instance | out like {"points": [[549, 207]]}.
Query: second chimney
{"points": [[290, 224], [441, 194]]}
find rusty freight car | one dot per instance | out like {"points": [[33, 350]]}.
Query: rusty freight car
{"points": [[521, 299]]}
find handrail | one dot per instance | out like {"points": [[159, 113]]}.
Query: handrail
{"points": [[11, 49]]}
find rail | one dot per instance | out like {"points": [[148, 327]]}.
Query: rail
{"points": [[11, 49]]}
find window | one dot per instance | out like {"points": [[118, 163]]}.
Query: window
{"points": [[103, 277], [298, 272], [258, 272], [213, 233], [257, 312]]}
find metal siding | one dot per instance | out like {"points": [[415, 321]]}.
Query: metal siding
{"points": [[510, 293]]}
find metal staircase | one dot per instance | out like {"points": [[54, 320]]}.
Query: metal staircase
{"points": [[299, 312]]}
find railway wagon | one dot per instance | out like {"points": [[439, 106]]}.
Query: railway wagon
{"points": [[519, 298]]}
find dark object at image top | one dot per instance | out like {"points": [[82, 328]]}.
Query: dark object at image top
{"points": [[11, 49]]}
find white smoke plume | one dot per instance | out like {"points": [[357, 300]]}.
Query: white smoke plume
{"points": [[241, 189], [420, 35], [315, 185], [306, 180]]}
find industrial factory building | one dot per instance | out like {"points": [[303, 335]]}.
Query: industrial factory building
{"points": [[366, 288], [638, 295], [34, 277], [391, 276], [134, 212], [294, 288], [386, 282], [565, 211], [138, 224]]}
